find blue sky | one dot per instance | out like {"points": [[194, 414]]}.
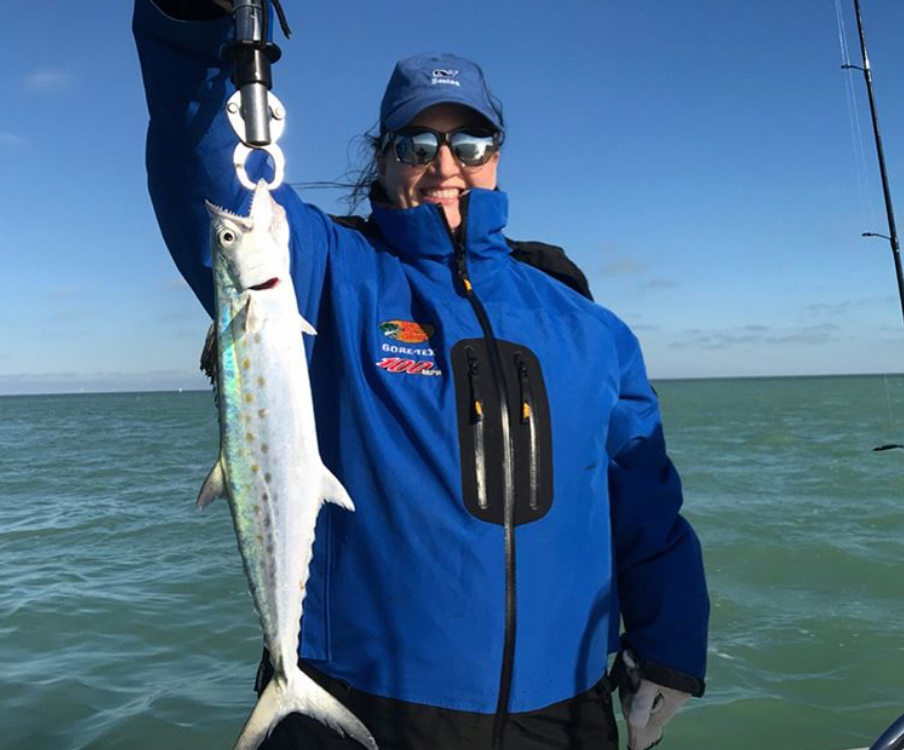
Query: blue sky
{"points": [[696, 159]]}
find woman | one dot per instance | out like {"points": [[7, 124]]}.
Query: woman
{"points": [[496, 429]]}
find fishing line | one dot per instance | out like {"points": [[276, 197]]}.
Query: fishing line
{"points": [[891, 419], [868, 212], [891, 424]]}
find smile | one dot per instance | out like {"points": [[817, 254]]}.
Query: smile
{"points": [[440, 196]]}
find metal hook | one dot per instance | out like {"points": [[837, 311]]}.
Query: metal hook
{"points": [[240, 156], [277, 114]]}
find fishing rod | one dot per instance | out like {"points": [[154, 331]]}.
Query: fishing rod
{"points": [[893, 737], [892, 235], [256, 115]]}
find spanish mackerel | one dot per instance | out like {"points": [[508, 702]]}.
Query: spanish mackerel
{"points": [[269, 467]]}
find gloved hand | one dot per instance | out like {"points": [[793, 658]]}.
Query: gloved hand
{"points": [[646, 706]]}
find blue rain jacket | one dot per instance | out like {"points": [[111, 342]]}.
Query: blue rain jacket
{"points": [[406, 597]]}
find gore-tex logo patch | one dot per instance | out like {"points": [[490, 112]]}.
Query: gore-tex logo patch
{"points": [[407, 331], [445, 76], [402, 366]]}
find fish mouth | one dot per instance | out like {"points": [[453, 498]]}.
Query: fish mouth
{"points": [[269, 284]]}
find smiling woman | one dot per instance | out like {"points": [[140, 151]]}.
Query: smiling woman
{"points": [[447, 174], [473, 407]]}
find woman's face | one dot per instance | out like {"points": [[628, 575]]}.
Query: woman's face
{"points": [[444, 180]]}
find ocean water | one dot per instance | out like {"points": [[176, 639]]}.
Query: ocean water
{"points": [[125, 620]]}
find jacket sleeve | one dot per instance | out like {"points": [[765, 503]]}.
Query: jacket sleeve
{"points": [[189, 153], [661, 585]]}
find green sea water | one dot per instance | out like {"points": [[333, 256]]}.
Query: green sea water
{"points": [[125, 620]]}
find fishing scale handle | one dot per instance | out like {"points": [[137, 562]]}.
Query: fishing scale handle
{"points": [[251, 55]]}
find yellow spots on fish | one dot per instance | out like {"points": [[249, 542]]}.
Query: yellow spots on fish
{"points": [[260, 381], [260, 538], [301, 587], [249, 397], [246, 364], [249, 436], [255, 468], [257, 508]]}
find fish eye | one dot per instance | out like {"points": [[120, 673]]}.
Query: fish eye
{"points": [[226, 237]]}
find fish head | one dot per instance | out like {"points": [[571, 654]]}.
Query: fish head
{"points": [[254, 248]]}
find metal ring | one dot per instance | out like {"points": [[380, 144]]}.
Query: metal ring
{"points": [[240, 156]]}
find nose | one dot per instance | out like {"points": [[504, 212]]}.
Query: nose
{"points": [[444, 165]]}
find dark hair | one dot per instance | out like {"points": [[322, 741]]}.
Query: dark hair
{"points": [[363, 177], [359, 180]]}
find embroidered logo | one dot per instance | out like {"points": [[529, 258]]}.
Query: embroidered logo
{"points": [[399, 365], [407, 331], [445, 76]]}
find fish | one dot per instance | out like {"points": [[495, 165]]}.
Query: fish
{"points": [[269, 467]]}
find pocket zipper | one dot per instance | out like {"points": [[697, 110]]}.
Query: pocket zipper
{"points": [[477, 425], [528, 418]]}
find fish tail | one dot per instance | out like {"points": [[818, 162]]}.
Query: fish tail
{"points": [[298, 693]]}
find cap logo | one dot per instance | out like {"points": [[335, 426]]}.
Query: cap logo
{"points": [[445, 76]]}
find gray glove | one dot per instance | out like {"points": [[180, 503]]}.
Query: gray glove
{"points": [[646, 706]]}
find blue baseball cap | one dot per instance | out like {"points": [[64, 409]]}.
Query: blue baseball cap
{"points": [[424, 80]]}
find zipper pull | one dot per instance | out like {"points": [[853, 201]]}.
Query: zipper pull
{"points": [[462, 268], [474, 381], [524, 382]]}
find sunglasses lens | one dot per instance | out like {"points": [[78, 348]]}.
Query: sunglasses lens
{"points": [[416, 149], [472, 149]]}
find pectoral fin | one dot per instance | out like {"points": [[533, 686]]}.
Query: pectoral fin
{"points": [[332, 491], [246, 320], [214, 486]]}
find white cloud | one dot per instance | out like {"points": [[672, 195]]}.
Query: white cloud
{"points": [[65, 292], [47, 79], [662, 284], [11, 140], [755, 335], [622, 266]]}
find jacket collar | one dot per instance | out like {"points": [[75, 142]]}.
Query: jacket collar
{"points": [[422, 231]]}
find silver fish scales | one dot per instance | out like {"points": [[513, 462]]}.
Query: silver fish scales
{"points": [[269, 467]]}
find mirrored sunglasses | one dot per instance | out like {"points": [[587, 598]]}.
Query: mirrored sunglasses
{"points": [[417, 147]]}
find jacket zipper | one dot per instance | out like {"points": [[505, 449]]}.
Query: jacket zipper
{"points": [[529, 418], [477, 426], [508, 476]]}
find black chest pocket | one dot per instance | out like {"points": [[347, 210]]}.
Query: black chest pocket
{"points": [[485, 428]]}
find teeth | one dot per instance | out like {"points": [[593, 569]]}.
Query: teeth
{"points": [[450, 193]]}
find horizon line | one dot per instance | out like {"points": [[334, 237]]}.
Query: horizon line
{"points": [[127, 391]]}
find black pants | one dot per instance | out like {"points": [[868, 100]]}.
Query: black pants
{"points": [[585, 722]]}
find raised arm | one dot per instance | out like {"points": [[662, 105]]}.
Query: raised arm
{"points": [[190, 145]]}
